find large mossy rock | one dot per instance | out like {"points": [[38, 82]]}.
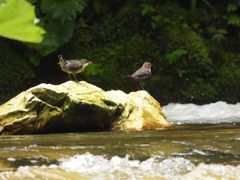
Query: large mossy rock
{"points": [[79, 106]]}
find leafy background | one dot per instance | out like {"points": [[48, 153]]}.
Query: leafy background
{"points": [[194, 46]]}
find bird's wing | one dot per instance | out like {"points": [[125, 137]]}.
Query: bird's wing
{"points": [[74, 64], [141, 73]]}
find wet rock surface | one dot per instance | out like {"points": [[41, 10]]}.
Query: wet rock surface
{"points": [[73, 107]]}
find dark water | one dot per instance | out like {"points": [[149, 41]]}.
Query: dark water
{"points": [[182, 152]]}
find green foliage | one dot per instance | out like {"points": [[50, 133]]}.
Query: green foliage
{"points": [[147, 9], [64, 10], [195, 2], [175, 55], [229, 71], [177, 45], [217, 35], [195, 56], [58, 18], [158, 21], [232, 17], [94, 70], [18, 21], [200, 91], [233, 20], [231, 7]]}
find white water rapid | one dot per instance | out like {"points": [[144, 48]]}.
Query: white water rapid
{"points": [[213, 113]]}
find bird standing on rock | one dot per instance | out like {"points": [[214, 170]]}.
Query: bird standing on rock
{"points": [[73, 66], [143, 73]]}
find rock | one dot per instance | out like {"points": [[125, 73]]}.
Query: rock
{"points": [[72, 106]]}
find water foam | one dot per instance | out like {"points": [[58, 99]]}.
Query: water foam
{"points": [[213, 113], [89, 166], [154, 167]]}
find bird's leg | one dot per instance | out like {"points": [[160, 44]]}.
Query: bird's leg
{"points": [[141, 86], [75, 78]]}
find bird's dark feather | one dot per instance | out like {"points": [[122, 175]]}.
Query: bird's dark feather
{"points": [[73, 65]]}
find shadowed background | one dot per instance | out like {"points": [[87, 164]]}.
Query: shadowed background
{"points": [[193, 46]]}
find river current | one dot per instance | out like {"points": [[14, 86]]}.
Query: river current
{"points": [[204, 143]]}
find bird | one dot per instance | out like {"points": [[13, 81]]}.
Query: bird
{"points": [[73, 66], [142, 73]]}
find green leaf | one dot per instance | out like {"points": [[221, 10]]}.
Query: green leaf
{"points": [[214, 30], [58, 20], [18, 21], [234, 20], [231, 7], [173, 56], [64, 10], [218, 37], [58, 34], [156, 21], [94, 70], [147, 9]]}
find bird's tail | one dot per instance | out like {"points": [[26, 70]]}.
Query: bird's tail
{"points": [[61, 60], [127, 76]]}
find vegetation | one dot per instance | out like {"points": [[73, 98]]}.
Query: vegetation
{"points": [[194, 46], [20, 25]]}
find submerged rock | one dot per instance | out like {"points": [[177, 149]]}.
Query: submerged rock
{"points": [[79, 106]]}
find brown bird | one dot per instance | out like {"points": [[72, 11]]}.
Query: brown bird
{"points": [[73, 66], [143, 73]]}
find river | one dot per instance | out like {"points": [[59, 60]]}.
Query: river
{"points": [[204, 143]]}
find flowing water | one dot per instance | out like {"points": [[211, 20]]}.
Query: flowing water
{"points": [[204, 143]]}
